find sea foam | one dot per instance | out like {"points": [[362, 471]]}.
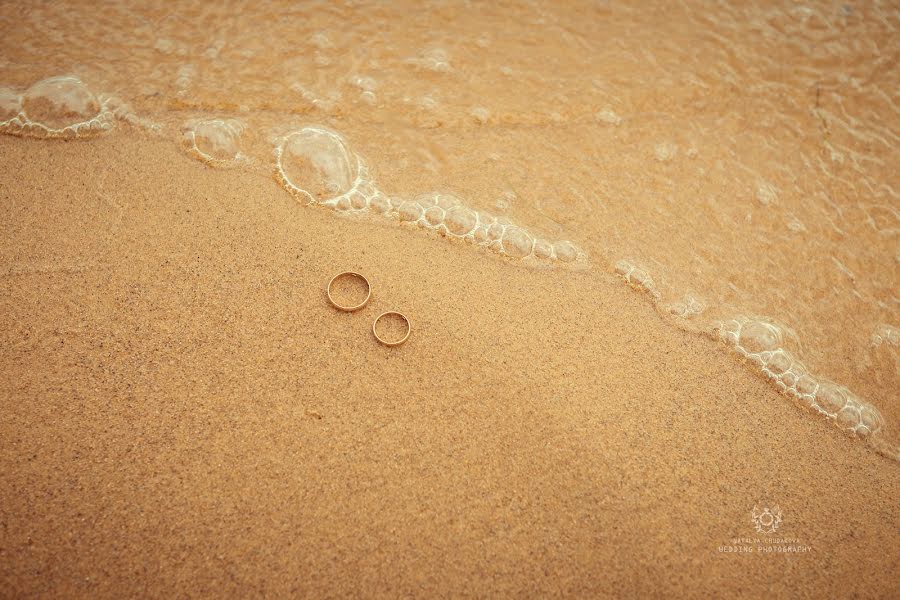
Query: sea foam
{"points": [[316, 164]]}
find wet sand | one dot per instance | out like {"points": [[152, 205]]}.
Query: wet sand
{"points": [[185, 415]]}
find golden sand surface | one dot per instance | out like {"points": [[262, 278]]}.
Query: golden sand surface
{"points": [[185, 415], [649, 251]]}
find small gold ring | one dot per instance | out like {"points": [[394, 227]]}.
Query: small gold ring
{"points": [[349, 308], [396, 342]]}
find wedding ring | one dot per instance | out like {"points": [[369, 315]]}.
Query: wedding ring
{"points": [[349, 308], [392, 342]]}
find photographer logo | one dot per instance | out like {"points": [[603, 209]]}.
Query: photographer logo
{"points": [[766, 520]]}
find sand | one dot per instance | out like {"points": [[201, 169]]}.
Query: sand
{"points": [[184, 415]]}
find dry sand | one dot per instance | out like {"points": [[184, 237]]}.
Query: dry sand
{"points": [[184, 415]]}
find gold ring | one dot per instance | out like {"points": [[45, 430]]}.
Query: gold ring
{"points": [[384, 341], [349, 308]]}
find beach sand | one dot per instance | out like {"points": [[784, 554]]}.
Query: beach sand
{"points": [[185, 415]]}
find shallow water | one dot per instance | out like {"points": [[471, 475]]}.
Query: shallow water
{"points": [[736, 163]]}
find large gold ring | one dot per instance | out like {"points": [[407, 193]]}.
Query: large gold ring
{"points": [[394, 342], [349, 308]]}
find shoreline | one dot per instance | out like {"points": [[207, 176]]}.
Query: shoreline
{"points": [[185, 411]]}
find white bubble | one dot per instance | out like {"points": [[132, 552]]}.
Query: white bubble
{"points": [[316, 163], [543, 249], [214, 141], [831, 398], [59, 102], [807, 385], [637, 277], [870, 417], [779, 363], [761, 343], [445, 200], [758, 336], [688, 307], [495, 231], [357, 200], [461, 220], [565, 251], [434, 215], [55, 107], [517, 242], [848, 417], [380, 203], [410, 211]]}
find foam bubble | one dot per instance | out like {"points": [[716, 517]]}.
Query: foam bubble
{"points": [[688, 307], [543, 249], [517, 242], [380, 203], [434, 215], [215, 141], [779, 363], [848, 417], [637, 277], [761, 343], [316, 163], [59, 102], [758, 336], [410, 211], [565, 251], [461, 220], [446, 201], [831, 398], [59, 106], [357, 200]]}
